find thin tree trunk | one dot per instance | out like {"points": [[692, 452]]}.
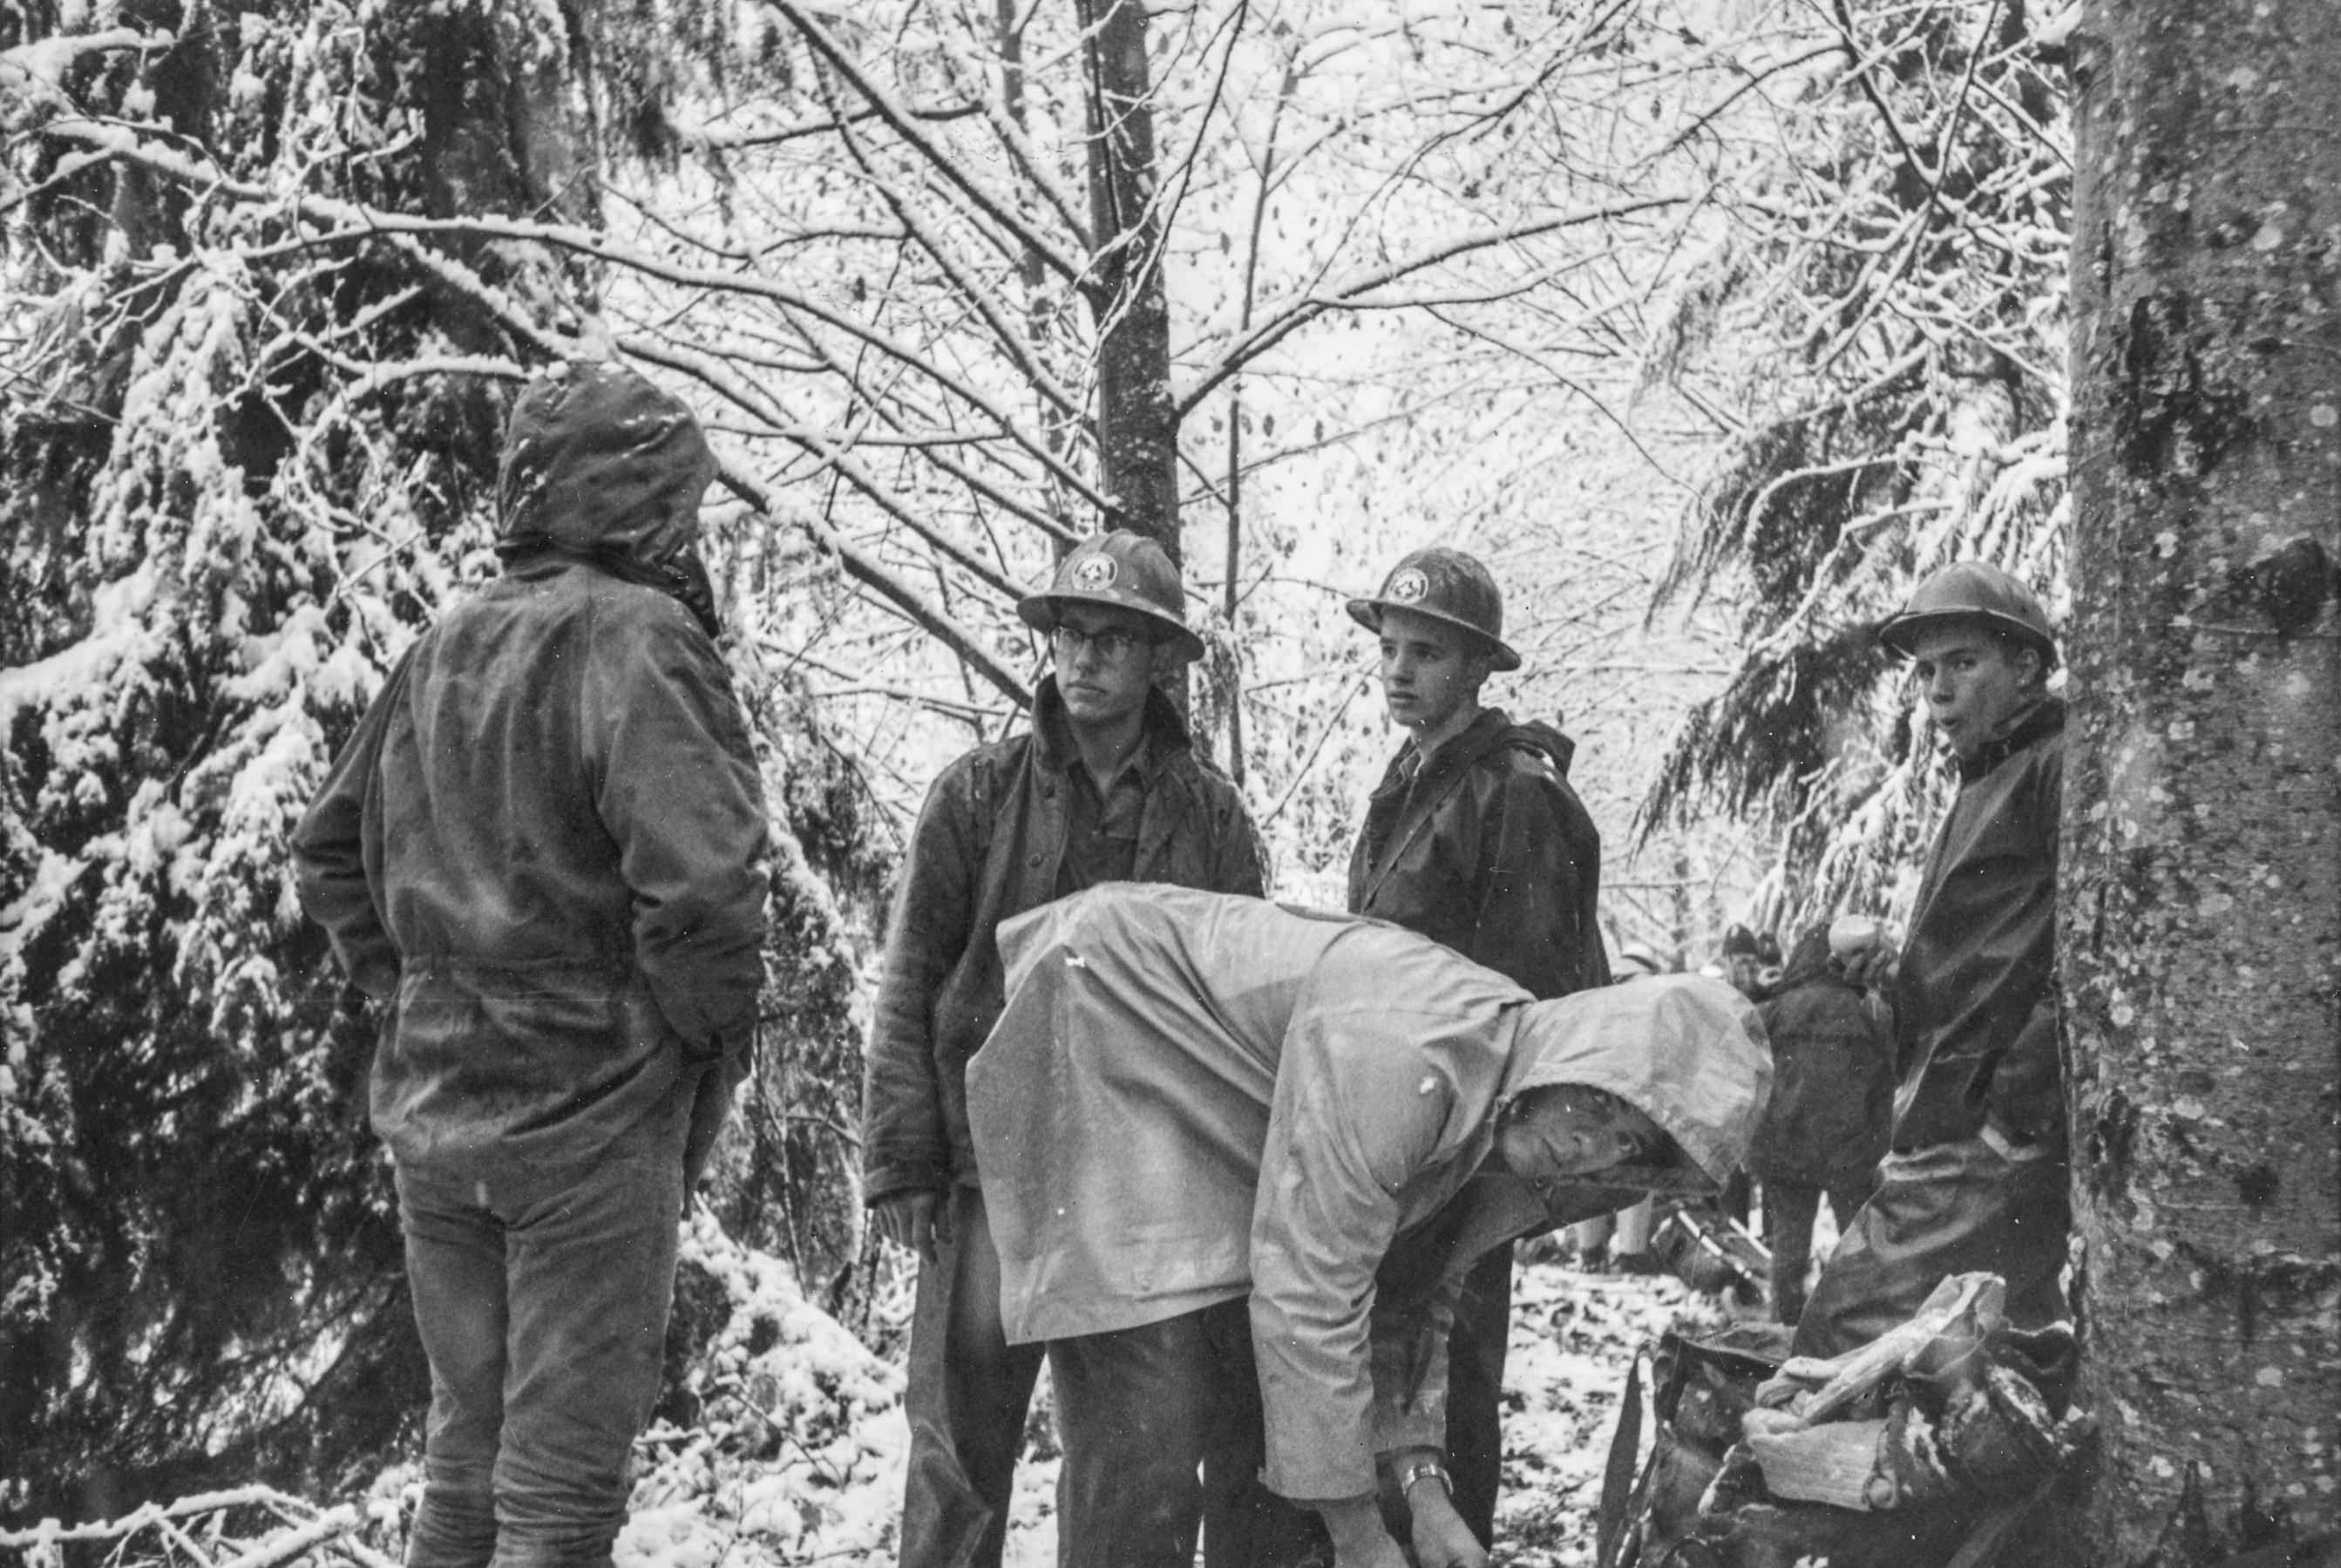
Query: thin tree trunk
{"points": [[2201, 888], [1138, 423]]}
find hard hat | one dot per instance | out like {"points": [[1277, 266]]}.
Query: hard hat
{"points": [[1126, 570], [1446, 585], [1970, 591]]}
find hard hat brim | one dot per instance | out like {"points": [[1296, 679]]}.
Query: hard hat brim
{"points": [[1368, 613], [1040, 611], [1900, 631]]}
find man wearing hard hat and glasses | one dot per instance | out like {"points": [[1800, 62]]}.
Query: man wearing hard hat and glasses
{"points": [[1975, 1178], [1105, 787]]}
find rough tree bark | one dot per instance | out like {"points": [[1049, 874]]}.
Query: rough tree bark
{"points": [[2201, 899], [1138, 426], [1137, 422]]}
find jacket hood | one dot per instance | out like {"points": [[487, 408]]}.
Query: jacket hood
{"points": [[1547, 738], [1688, 1050], [600, 464]]}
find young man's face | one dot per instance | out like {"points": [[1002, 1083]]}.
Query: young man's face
{"points": [[1431, 672], [1975, 684], [1571, 1129], [1105, 663]]}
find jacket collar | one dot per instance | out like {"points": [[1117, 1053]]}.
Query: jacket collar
{"points": [[1165, 733], [2045, 720], [1475, 740]]}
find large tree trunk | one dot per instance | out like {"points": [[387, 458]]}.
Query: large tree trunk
{"points": [[2201, 897]]}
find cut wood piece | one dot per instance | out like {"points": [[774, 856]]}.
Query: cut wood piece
{"points": [[1963, 1311], [1837, 1463]]}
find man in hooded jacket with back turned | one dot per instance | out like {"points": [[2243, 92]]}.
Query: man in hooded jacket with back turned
{"points": [[542, 849]]}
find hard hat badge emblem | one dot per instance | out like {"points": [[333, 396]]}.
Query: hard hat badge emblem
{"points": [[1407, 586], [1094, 573]]}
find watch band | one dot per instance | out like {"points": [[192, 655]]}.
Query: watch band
{"points": [[1416, 1470]]}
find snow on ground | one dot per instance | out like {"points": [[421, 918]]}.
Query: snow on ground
{"points": [[1574, 1335], [798, 1457]]}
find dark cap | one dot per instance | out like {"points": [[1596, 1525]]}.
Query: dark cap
{"points": [[1446, 585], [1123, 570]]}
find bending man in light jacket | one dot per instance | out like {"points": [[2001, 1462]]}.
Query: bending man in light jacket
{"points": [[1194, 1101]]}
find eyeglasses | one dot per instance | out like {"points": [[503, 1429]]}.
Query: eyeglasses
{"points": [[1112, 644]]}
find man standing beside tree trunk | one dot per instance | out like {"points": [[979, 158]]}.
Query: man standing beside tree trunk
{"points": [[1975, 1178]]}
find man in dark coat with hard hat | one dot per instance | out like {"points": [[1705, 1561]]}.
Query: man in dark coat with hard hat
{"points": [[1475, 839], [1105, 787], [1976, 1177], [1278, 1141], [542, 849]]}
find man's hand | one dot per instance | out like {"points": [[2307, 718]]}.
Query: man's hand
{"points": [[1441, 1538], [918, 1220], [1355, 1523], [1874, 966]]}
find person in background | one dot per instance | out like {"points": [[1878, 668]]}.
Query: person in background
{"points": [[1106, 786], [1975, 1176], [543, 849], [1475, 839], [1832, 1100]]}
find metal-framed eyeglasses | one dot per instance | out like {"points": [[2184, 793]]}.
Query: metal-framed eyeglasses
{"points": [[1112, 643]]}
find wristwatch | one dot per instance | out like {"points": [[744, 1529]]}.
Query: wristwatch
{"points": [[1415, 1470]]}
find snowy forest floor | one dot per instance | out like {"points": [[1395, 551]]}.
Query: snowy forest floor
{"points": [[795, 1453], [1574, 1335]]}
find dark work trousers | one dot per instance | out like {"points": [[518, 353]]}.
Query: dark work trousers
{"points": [[967, 1394], [1789, 1210], [1948, 1209], [542, 1295], [969, 1391], [1475, 1390], [1163, 1437]]}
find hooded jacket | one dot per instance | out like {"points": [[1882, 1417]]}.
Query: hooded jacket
{"points": [[543, 844], [1832, 1075], [1486, 849], [1976, 1000], [991, 844], [1190, 1098]]}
